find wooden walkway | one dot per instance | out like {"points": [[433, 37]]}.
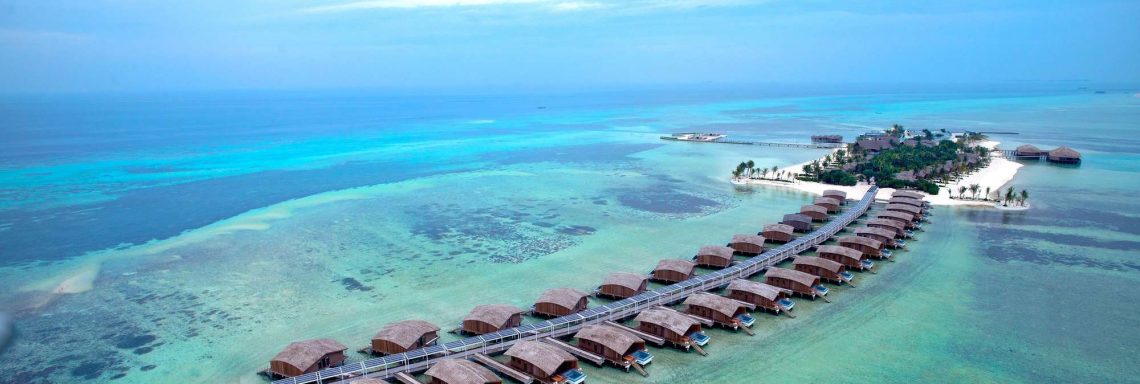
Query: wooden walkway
{"points": [[762, 143], [420, 359]]}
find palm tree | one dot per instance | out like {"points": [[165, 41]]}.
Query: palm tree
{"points": [[1008, 195], [774, 170], [750, 165], [987, 193], [736, 173], [764, 174], [974, 188], [1024, 196], [962, 192]]}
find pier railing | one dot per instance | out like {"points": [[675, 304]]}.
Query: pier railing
{"points": [[420, 359]]}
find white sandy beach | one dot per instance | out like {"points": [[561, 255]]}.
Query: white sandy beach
{"points": [[995, 176]]}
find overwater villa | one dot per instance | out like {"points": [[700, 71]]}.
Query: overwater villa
{"points": [[671, 271], [815, 212], [747, 244], [917, 203], [721, 310], [546, 363], [621, 285], [798, 222], [617, 346], [898, 227], [800, 283], [1028, 152], [491, 318], [560, 302], [714, 256], [459, 371], [910, 194], [831, 204], [850, 258], [1064, 155], [676, 328], [403, 336], [866, 245], [904, 208], [307, 356], [778, 233], [884, 236], [836, 194], [826, 269], [764, 296], [903, 218]]}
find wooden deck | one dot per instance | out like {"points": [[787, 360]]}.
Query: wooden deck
{"points": [[503, 369], [420, 359]]}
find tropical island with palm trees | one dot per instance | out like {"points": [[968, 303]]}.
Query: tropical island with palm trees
{"points": [[964, 165]]}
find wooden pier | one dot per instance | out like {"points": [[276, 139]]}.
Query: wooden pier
{"points": [[761, 143], [503, 369], [420, 359]]}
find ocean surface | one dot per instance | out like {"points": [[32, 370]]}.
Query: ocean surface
{"points": [[189, 237]]}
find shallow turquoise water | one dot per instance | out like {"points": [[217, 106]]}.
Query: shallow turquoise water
{"points": [[270, 237]]}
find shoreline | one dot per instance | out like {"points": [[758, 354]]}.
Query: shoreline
{"points": [[997, 175]]}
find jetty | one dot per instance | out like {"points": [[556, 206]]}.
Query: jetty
{"points": [[400, 364]]}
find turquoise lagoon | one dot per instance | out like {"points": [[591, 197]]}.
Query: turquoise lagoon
{"points": [[196, 235]]}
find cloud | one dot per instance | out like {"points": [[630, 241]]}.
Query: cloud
{"points": [[409, 4], [577, 5]]}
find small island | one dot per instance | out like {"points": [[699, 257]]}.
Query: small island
{"points": [[953, 168]]}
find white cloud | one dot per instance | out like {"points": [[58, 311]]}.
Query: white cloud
{"points": [[577, 5]]}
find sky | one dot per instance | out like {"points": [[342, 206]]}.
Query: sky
{"points": [[149, 45]]}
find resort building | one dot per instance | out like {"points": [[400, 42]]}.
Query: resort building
{"points": [[898, 227], [881, 235], [1028, 152], [798, 222], [1064, 155], [714, 256], [836, 194], [621, 285], [747, 244], [779, 233], [867, 246], [815, 212], [831, 204], [403, 336], [768, 297], [676, 328], [721, 310], [491, 318], [850, 258], [673, 271], [801, 283], [307, 356], [560, 302], [614, 344], [826, 269], [546, 363]]}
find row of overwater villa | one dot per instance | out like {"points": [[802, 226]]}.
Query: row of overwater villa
{"points": [[625, 346]]}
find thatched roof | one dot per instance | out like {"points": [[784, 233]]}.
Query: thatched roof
{"points": [[780, 228], [1064, 153], [887, 222], [748, 239], [760, 289], [896, 214], [405, 333], [721, 304], [861, 240], [904, 208], [818, 262], [910, 194], [1028, 149], [685, 267], [673, 321], [906, 175], [813, 208], [716, 251], [459, 371], [563, 297], [494, 314], [905, 200], [797, 217], [875, 231], [793, 275], [835, 192], [826, 200], [624, 279], [303, 354], [547, 358], [611, 337], [842, 251]]}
